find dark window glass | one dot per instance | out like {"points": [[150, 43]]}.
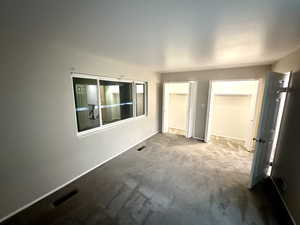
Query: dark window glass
{"points": [[86, 101], [116, 101], [140, 99]]}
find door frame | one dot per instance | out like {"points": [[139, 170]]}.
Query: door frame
{"points": [[192, 103], [209, 112], [191, 107], [210, 105]]}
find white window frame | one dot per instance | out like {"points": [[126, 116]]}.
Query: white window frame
{"points": [[145, 98], [113, 124]]}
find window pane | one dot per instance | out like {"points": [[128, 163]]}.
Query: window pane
{"points": [[140, 99], [116, 101], [86, 101]]}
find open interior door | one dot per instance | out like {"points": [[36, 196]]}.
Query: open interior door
{"points": [[267, 124]]}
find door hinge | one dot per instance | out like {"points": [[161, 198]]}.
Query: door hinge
{"points": [[283, 89], [259, 140]]}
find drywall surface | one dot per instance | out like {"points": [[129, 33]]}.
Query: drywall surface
{"points": [[178, 88], [201, 109], [40, 149], [231, 116], [171, 113], [241, 73], [178, 104], [235, 87], [203, 78], [288, 63]]}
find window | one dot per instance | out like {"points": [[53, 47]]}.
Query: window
{"points": [[140, 99], [100, 102], [116, 101], [86, 102]]}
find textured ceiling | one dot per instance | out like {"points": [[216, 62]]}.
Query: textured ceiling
{"points": [[164, 35]]}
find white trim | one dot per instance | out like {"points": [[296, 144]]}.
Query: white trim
{"points": [[74, 105], [224, 136], [99, 104], [133, 92], [140, 82], [253, 116], [75, 178], [145, 97], [188, 113], [164, 110], [100, 77], [103, 77], [87, 76], [208, 113], [284, 203], [191, 119]]}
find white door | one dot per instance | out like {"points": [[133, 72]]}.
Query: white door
{"points": [[270, 107]]}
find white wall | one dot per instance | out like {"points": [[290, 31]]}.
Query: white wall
{"points": [[289, 63], [175, 109], [241, 73], [234, 106], [178, 88], [178, 104], [203, 77], [235, 87], [231, 116], [40, 150]]}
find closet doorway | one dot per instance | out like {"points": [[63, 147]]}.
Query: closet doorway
{"points": [[233, 112], [176, 108]]}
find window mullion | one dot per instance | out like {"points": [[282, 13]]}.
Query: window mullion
{"points": [[146, 98], [99, 102], [134, 98]]}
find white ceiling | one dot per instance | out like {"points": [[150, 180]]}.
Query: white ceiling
{"points": [[164, 35]]}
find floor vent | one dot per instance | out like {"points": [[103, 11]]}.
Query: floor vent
{"points": [[64, 198], [141, 148]]}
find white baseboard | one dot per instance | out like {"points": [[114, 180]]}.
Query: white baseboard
{"points": [[75, 178], [176, 128], [235, 138]]}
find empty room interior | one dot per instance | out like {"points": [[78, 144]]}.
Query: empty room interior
{"points": [[130, 112]]}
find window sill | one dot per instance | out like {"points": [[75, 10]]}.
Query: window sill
{"points": [[108, 126]]}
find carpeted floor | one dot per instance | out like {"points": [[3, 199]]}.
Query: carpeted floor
{"points": [[173, 180]]}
